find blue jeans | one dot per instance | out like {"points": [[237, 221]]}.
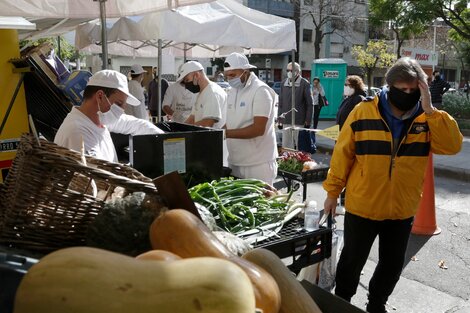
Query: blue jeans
{"points": [[306, 141]]}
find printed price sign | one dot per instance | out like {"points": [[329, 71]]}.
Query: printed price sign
{"points": [[330, 132]]}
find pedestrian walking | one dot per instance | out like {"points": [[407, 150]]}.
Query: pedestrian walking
{"points": [[438, 88], [380, 157], [303, 140], [353, 94]]}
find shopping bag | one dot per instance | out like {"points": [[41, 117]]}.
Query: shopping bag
{"points": [[322, 101], [323, 273]]}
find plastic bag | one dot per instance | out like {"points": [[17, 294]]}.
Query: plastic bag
{"points": [[323, 273]]}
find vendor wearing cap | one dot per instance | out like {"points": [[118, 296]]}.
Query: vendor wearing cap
{"points": [[251, 140], [104, 101], [210, 107], [137, 90]]}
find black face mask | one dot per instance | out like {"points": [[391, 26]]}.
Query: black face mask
{"points": [[402, 100], [191, 87]]}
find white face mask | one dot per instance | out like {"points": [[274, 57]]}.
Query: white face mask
{"points": [[112, 115], [289, 75], [348, 91], [236, 82]]}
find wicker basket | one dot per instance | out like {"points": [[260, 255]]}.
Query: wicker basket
{"points": [[47, 202]]}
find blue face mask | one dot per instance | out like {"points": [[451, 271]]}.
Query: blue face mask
{"points": [[236, 82]]}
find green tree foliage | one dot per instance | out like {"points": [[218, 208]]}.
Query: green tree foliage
{"points": [[455, 13], [67, 51], [398, 16], [375, 55]]}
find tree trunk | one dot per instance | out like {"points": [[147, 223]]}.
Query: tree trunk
{"points": [[369, 78], [317, 43]]}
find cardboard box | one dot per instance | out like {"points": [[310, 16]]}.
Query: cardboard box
{"points": [[74, 86]]}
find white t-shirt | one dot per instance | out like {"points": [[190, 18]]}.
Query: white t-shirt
{"points": [[255, 99], [97, 140], [211, 103], [136, 89], [77, 127], [180, 100]]}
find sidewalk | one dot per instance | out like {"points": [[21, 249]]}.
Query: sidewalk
{"points": [[450, 166]]}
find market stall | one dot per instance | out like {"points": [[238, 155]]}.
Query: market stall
{"points": [[68, 200]]}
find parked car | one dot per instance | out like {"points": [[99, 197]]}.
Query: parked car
{"points": [[373, 91], [276, 86], [225, 86]]}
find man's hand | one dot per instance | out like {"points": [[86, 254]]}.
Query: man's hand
{"points": [[425, 97], [330, 206]]}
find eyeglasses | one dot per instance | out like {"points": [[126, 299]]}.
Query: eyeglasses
{"points": [[346, 84]]}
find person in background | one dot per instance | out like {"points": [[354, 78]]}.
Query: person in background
{"points": [[153, 93], [102, 110], [354, 93], [303, 115], [178, 102], [317, 93], [251, 140], [438, 88], [136, 89], [210, 107], [381, 156]]}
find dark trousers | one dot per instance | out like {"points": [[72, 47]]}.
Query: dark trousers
{"points": [[316, 114], [306, 141], [359, 235]]}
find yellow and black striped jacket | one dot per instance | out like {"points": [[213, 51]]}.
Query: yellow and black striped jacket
{"points": [[382, 183]]}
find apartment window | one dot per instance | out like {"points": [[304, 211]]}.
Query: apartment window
{"points": [[337, 23], [307, 35]]}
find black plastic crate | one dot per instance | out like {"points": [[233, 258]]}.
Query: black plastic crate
{"points": [[306, 177], [310, 176], [200, 151], [328, 302], [12, 269], [304, 247]]}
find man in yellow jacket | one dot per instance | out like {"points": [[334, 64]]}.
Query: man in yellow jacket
{"points": [[381, 157]]}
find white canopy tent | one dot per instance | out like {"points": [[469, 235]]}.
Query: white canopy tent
{"points": [[61, 15], [205, 30], [87, 8], [211, 29]]}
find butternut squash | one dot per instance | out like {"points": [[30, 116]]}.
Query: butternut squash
{"points": [[295, 298], [90, 280], [158, 255], [182, 233]]}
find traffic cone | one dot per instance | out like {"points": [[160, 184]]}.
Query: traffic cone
{"points": [[425, 219]]}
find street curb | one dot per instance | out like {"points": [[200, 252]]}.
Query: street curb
{"points": [[442, 171], [452, 172], [465, 132]]}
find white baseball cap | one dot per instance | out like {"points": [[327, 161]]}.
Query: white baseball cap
{"points": [[137, 69], [237, 61], [188, 67], [114, 80]]}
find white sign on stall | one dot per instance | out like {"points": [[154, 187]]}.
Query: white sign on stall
{"points": [[424, 57]]}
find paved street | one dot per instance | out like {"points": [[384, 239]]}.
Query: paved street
{"points": [[425, 287]]}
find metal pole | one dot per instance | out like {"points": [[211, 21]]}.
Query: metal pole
{"points": [[434, 43], [159, 80], [292, 80], [104, 35]]}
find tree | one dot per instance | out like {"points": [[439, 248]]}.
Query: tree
{"points": [[397, 15], [375, 55], [67, 51], [328, 17], [455, 13]]}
